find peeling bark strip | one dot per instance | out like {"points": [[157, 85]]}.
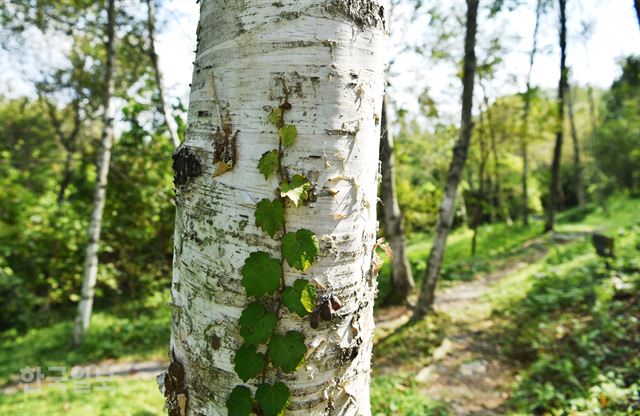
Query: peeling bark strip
{"points": [[172, 385], [186, 166], [253, 51]]}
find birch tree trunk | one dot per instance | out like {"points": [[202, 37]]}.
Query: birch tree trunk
{"points": [[401, 278], [460, 150], [576, 151], [554, 188], [164, 107], [524, 152], [326, 59], [90, 273]]}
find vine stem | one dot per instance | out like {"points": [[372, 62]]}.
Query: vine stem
{"points": [[282, 176]]}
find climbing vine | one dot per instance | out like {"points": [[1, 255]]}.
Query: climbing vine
{"points": [[264, 282]]}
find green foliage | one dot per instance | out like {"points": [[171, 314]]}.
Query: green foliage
{"points": [[301, 298], [575, 332], [617, 144], [42, 241], [273, 399], [270, 216], [257, 324], [248, 362], [240, 402], [269, 162], [296, 190], [287, 135], [261, 274], [275, 116], [300, 249], [287, 351]]}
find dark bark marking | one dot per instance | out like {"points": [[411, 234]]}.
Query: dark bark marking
{"points": [[175, 393], [364, 13], [186, 166]]}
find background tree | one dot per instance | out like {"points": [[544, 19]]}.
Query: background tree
{"points": [[322, 96], [162, 101], [427, 291], [90, 272], [554, 187], [525, 115], [401, 278], [577, 164]]}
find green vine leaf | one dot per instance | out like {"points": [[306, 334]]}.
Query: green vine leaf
{"points": [[257, 324], [287, 351], [270, 216], [297, 190], [288, 134], [268, 163], [273, 399], [261, 274], [275, 116], [301, 298], [248, 363], [300, 249], [240, 402]]}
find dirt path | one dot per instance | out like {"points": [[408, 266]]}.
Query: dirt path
{"points": [[466, 372]]}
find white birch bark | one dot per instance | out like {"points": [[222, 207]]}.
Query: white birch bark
{"points": [[90, 272], [330, 55]]}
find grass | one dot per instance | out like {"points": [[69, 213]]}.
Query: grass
{"points": [[399, 395], [124, 397], [137, 337], [411, 345]]}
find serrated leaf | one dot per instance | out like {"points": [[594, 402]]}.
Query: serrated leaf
{"points": [[308, 297], [288, 134], [261, 274], [273, 399], [268, 163], [257, 324], [301, 298], [270, 216], [297, 190], [275, 116], [248, 362], [300, 249], [287, 351], [240, 402]]}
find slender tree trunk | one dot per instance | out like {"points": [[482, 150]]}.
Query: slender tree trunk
{"points": [[480, 195], [67, 141], [636, 3], [401, 278], [576, 151], [596, 160], [525, 120], [324, 63], [496, 194], [66, 177], [164, 106], [460, 150], [83, 317], [554, 189]]}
